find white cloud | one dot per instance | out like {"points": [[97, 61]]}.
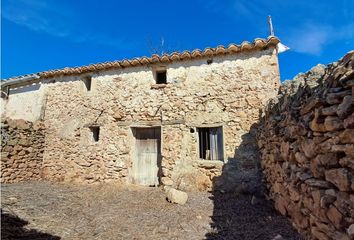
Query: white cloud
{"points": [[37, 16], [57, 20], [313, 38], [248, 9], [308, 39], [306, 27]]}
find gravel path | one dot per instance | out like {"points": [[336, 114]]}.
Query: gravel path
{"points": [[41, 210]]}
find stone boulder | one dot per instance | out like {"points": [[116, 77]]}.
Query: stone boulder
{"points": [[350, 230], [340, 177], [176, 196]]}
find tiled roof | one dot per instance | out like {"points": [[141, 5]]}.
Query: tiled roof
{"points": [[257, 44]]}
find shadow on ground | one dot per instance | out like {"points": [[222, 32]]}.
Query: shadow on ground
{"points": [[13, 227], [241, 210]]}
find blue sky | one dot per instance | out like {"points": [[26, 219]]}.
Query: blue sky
{"points": [[38, 35]]}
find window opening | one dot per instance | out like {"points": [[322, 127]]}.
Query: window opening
{"points": [[161, 76], [211, 143], [88, 82], [95, 133]]}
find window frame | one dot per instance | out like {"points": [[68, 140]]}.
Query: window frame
{"points": [[220, 143]]}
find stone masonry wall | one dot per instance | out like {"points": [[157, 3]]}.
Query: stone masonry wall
{"points": [[307, 145], [227, 92], [22, 149]]}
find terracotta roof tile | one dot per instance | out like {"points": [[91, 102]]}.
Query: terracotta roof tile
{"points": [[257, 44]]}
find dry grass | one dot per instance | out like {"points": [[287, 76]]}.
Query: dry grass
{"points": [[106, 212], [125, 212]]}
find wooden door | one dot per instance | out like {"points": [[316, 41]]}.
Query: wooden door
{"points": [[147, 162]]}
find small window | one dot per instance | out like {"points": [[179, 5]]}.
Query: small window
{"points": [[95, 133], [161, 76], [87, 82], [211, 143]]}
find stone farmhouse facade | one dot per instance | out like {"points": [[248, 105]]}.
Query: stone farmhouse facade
{"points": [[174, 119]]}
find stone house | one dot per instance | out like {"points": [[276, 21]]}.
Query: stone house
{"points": [[174, 119]]}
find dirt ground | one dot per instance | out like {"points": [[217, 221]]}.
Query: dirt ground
{"points": [[41, 210]]}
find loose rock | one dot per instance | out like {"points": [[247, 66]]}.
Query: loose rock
{"points": [[176, 196]]}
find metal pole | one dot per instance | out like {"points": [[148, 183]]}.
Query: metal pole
{"points": [[271, 31]]}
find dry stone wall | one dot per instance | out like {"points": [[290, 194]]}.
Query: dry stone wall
{"points": [[227, 92], [307, 144], [22, 149]]}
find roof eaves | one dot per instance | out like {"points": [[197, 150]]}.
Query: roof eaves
{"points": [[20, 79], [257, 44]]}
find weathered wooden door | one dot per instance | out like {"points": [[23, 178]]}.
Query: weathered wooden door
{"points": [[147, 160]]}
